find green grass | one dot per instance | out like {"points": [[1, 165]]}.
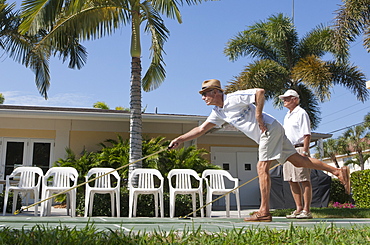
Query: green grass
{"points": [[321, 234], [330, 212]]}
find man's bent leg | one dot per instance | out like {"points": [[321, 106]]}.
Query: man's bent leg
{"points": [[313, 163]]}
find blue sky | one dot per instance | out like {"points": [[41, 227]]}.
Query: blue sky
{"points": [[194, 52]]}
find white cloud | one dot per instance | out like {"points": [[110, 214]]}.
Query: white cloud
{"points": [[60, 100]]}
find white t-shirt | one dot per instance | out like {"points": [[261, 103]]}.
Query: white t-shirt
{"points": [[297, 125], [240, 112]]}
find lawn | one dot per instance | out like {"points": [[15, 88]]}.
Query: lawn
{"points": [[329, 212], [320, 234]]}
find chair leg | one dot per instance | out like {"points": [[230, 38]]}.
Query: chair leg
{"points": [[237, 202], [36, 193], [5, 201], [156, 204], [227, 203], [73, 202], [130, 203], [161, 204], [112, 203], [15, 197], [201, 204], [194, 199], [118, 204], [87, 198], [135, 204], [209, 206]]}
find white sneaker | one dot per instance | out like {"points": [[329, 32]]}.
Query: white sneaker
{"points": [[304, 215], [293, 215]]}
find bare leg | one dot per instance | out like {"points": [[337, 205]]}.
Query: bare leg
{"points": [[307, 195], [295, 187], [313, 163], [263, 168], [308, 162], [263, 215]]}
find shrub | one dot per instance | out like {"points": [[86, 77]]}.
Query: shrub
{"points": [[115, 153], [337, 192], [360, 188], [10, 202]]}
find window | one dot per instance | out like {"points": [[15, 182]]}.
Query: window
{"points": [[25, 152]]}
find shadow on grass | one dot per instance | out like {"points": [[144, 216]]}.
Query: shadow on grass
{"points": [[329, 212]]}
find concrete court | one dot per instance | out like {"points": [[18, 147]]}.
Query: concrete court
{"points": [[219, 221]]}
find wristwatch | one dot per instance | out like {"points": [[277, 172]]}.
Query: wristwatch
{"points": [[305, 153]]}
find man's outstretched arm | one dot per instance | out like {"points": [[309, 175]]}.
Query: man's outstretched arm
{"points": [[192, 134]]}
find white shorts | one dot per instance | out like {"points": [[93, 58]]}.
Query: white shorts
{"points": [[274, 145], [295, 174]]}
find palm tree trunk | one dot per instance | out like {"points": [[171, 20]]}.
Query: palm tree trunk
{"points": [[361, 160], [135, 113], [334, 159]]}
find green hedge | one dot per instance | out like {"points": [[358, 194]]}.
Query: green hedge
{"points": [[360, 181], [337, 192]]}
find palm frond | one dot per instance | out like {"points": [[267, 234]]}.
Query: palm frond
{"points": [[155, 74], [315, 74], [352, 19], [351, 77], [265, 74]]}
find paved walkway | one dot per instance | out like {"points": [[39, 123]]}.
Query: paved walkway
{"points": [[219, 221]]}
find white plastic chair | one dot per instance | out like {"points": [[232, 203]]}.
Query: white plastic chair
{"points": [[215, 182], [102, 185], [58, 179], [183, 185], [145, 179], [29, 182]]}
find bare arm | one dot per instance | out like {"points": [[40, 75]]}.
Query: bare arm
{"points": [[260, 102], [192, 134], [306, 143]]}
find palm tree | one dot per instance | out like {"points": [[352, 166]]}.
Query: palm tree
{"points": [[20, 46], [92, 19], [357, 139], [352, 20], [2, 99], [331, 148], [101, 105], [283, 61]]}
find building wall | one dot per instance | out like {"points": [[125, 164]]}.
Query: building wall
{"points": [[82, 135], [343, 158]]}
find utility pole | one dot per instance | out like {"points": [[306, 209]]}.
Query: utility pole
{"points": [[293, 11]]}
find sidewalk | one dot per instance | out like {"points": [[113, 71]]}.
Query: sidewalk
{"points": [[62, 212], [218, 222]]}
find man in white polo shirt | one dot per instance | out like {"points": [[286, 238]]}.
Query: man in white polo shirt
{"points": [[298, 130], [243, 110]]}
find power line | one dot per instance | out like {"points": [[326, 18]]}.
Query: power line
{"points": [[346, 127], [343, 109], [346, 115]]}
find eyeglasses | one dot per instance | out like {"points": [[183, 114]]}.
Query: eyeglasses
{"points": [[205, 92]]}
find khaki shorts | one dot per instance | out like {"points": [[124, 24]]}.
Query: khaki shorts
{"points": [[294, 174], [274, 145]]}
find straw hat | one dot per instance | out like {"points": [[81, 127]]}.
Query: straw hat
{"points": [[210, 84]]}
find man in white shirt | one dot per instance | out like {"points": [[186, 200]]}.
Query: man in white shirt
{"points": [[298, 130], [243, 110]]}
